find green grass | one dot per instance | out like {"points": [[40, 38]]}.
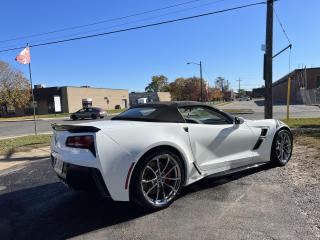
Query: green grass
{"points": [[116, 110], [303, 122], [221, 104], [238, 111], [25, 143], [58, 115]]}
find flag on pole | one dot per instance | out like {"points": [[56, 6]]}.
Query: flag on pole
{"points": [[24, 56]]}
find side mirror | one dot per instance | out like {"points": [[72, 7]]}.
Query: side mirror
{"points": [[237, 121]]}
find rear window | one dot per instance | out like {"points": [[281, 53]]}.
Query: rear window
{"points": [[137, 112], [151, 114]]}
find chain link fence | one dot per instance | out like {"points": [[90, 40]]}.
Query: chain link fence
{"points": [[310, 96]]}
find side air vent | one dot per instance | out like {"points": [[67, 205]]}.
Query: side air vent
{"points": [[258, 143], [264, 132], [263, 135]]}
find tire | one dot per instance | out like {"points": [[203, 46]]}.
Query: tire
{"points": [[73, 117], [154, 193], [282, 146], [101, 117], [93, 116]]}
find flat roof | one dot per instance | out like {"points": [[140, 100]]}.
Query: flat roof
{"points": [[285, 77], [57, 87]]}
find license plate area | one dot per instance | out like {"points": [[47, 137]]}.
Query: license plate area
{"points": [[59, 167]]}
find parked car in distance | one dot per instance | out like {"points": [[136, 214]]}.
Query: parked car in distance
{"points": [[244, 99], [89, 112]]}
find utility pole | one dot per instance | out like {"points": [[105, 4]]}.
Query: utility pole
{"points": [[239, 87], [201, 87], [268, 61], [201, 80]]}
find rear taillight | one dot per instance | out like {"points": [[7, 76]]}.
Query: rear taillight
{"points": [[86, 142], [80, 141]]}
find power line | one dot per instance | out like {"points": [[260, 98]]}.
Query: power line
{"points": [[118, 25], [281, 25], [100, 22], [139, 27]]}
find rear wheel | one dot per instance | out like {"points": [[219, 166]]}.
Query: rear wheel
{"points": [[281, 148], [157, 180], [73, 117]]}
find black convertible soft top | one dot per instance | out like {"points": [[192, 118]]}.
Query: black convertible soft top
{"points": [[162, 112]]}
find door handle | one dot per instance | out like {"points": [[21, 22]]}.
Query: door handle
{"points": [[186, 129]]}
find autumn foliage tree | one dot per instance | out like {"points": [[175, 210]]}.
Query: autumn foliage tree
{"points": [[158, 84], [14, 87], [187, 89]]}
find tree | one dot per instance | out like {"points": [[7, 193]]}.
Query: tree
{"points": [[14, 87], [222, 84], [186, 89], [158, 84], [215, 94]]}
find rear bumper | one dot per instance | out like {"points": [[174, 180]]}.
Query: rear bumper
{"points": [[83, 178]]}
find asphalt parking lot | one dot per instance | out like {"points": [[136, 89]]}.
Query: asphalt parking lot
{"points": [[264, 203]]}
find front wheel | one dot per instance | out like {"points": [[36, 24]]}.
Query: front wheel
{"points": [[157, 180], [282, 148]]}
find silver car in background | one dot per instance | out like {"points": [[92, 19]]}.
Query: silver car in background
{"points": [[89, 112]]}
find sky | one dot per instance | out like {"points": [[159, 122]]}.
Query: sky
{"points": [[228, 44]]}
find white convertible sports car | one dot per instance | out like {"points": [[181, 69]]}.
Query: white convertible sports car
{"points": [[149, 152]]}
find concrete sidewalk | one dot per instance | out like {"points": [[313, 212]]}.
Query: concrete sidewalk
{"points": [[13, 159]]}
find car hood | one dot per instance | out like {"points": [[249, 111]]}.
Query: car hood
{"points": [[264, 123]]}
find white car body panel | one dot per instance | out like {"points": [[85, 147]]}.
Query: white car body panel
{"points": [[212, 148]]}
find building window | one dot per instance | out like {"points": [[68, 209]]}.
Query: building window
{"points": [[318, 82]]}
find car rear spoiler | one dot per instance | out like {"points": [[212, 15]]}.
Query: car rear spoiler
{"points": [[74, 128]]}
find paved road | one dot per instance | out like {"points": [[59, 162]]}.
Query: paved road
{"points": [[8, 129], [264, 203], [279, 111]]}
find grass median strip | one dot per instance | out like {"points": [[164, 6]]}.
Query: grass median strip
{"points": [[21, 118], [24, 143], [238, 111], [303, 122]]}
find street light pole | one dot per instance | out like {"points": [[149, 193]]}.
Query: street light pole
{"points": [[201, 80]]}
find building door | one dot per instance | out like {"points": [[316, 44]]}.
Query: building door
{"points": [[87, 102], [124, 103]]}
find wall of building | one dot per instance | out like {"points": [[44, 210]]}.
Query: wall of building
{"points": [[300, 79], [101, 97], [151, 97], [164, 96], [279, 92]]}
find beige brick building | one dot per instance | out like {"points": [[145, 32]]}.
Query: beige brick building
{"points": [[71, 99], [150, 97]]}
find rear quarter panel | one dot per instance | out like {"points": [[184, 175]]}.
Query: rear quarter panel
{"points": [[119, 147]]}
